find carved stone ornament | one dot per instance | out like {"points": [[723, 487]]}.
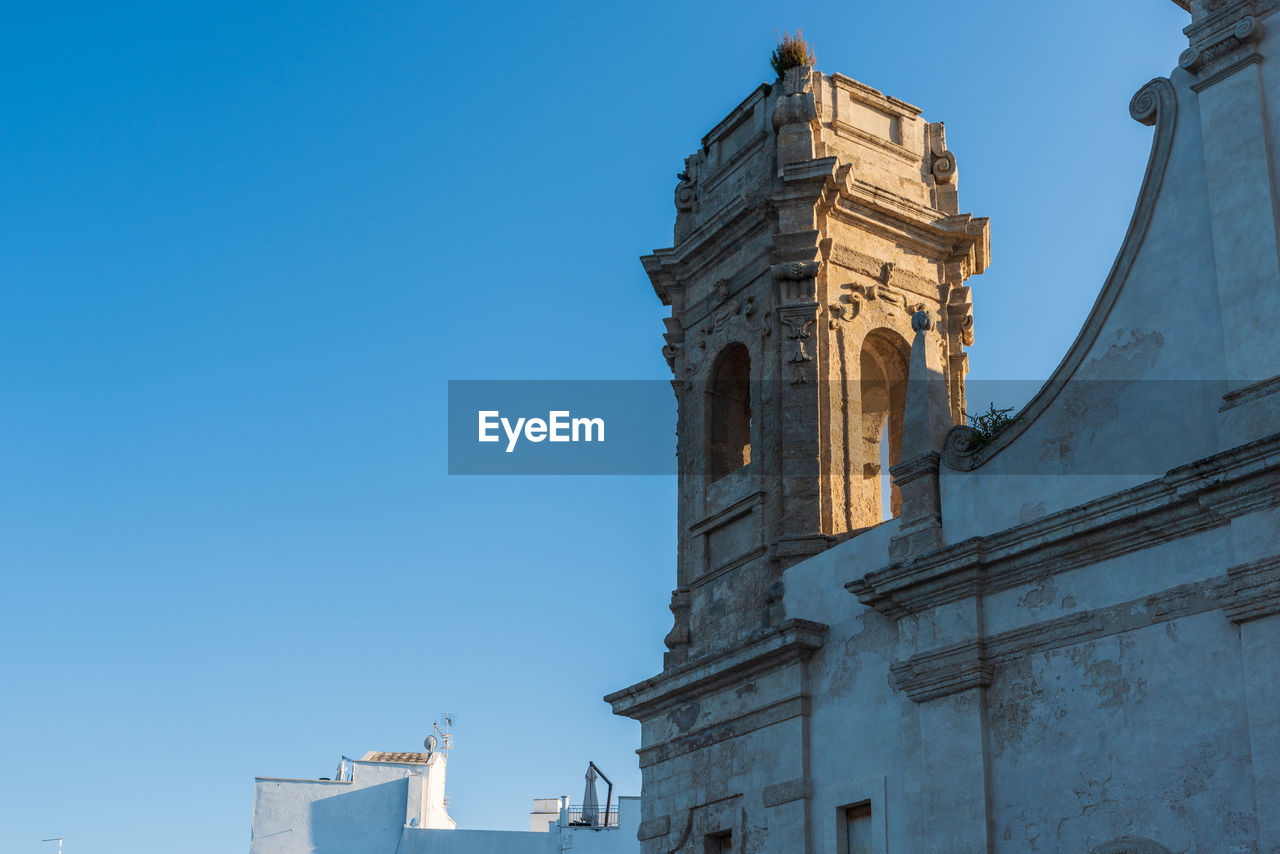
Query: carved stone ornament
{"points": [[679, 634], [944, 167], [850, 303], [922, 321], [686, 190], [798, 106], [960, 448], [797, 327], [695, 356], [674, 341], [796, 270], [1142, 107], [798, 79], [960, 315], [686, 198], [723, 314], [1216, 49], [845, 310]]}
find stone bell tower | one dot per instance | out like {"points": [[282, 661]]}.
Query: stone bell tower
{"points": [[813, 222]]}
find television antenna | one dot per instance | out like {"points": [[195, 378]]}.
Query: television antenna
{"points": [[57, 839], [444, 733]]}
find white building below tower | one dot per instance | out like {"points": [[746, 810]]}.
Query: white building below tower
{"points": [[387, 802]]}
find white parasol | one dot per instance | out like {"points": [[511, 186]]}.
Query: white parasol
{"points": [[590, 803]]}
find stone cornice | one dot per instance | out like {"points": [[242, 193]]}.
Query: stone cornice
{"points": [[797, 705], [971, 664], [738, 113], [1252, 590], [873, 268], [831, 186], [709, 243], [1187, 500], [793, 640], [864, 94], [903, 153], [908, 470], [1154, 104], [1222, 43], [1250, 393], [949, 237], [939, 673], [741, 507]]}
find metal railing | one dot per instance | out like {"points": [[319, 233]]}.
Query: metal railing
{"points": [[610, 819]]}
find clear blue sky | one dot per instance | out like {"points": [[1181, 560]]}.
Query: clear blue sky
{"points": [[243, 246]]}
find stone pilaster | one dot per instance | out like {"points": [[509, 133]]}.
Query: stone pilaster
{"points": [[949, 685]]}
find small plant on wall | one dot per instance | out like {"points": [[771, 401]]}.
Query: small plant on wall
{"points": [[791, 52], [989, 424]]}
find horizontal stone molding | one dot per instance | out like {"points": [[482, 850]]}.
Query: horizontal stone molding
{"points": [[727, 567], [791, 547], [1250, 393], [1184, 600], [784, 793], [1186, 501], [1252, 590], [942, 672], [908, 470], [795, 706], [741, 507], [1222, 43], [865, 94], [652, 828], [901, 152], [738, 115], [708, 247], [948, 670], [914, 225], [862, 264], [789, 642]]}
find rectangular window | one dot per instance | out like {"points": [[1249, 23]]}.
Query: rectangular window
{"points": [[857, 828], [718, 843]]}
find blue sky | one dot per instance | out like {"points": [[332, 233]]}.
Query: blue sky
{"points": [[245, 246]]}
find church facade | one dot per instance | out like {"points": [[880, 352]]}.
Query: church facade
{"points": [[1063, 635]]}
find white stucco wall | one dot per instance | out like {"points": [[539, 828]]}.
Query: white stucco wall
{"points": [[371, 813]]}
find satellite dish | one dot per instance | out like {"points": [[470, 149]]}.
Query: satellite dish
{"points": [[430, 743]]}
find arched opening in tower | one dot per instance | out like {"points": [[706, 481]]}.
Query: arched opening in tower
{"points": [[729, 412], [883, 364]]}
